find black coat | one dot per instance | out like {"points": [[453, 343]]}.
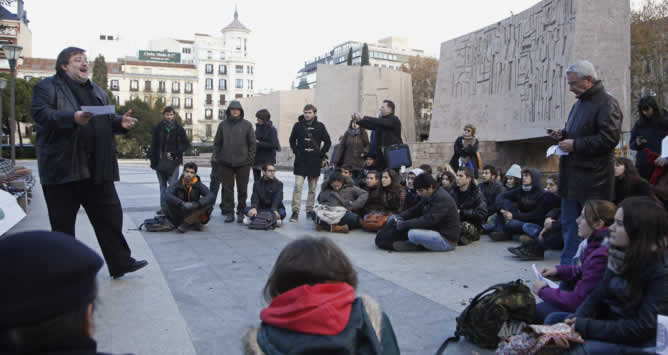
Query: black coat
{"points": [[388, 132], [309, 152], [529, 204], [267, 144], [462, 151], [631, 186], [491, 190], [175, 142], [267, 194], [72, 346], [471, 204], [178, 193], [58, 157], [595, 125], [437, 213], [653, 130]]}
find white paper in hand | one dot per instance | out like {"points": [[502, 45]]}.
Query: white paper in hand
{"points": [[554, 150], [99, 110], [661, 335], [549, 282]]}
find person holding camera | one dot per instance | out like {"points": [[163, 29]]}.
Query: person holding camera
{"points": [[387, 127], [354, 146], [189, 201]]}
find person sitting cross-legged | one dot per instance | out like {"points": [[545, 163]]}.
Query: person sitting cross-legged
{"points": [[189, 201], [432, 224], [470, 204], [338, 199], [267, 196]]}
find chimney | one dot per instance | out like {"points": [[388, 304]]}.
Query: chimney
{"points": [[19, 11]]}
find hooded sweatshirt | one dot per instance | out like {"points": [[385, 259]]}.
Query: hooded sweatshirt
{"points": [[530, 207], [235, 139]]}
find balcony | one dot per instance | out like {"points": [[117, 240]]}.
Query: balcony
{"points": [[161, 90], [176, 91]]}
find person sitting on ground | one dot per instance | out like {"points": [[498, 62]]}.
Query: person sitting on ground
{"points": [[412, 197], [447, 181], [393, 194], [620, 314], [471, 205], [189, 201], [627, 181], [374, 202], [521, 205], [267, 196], [426, 168], [339, 199], [466, 150], [347, 171], [490, 188], [48, 291], [313, 308], [578, 280], [510, 180], [432, 224]]}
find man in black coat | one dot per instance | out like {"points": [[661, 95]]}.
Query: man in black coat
{"points": [[267, 196], [387, 128], [266, 142], [77, 157], [490, 187], [189, 201], [310, 143], [590, 137], [471, 205], [168, 142]]}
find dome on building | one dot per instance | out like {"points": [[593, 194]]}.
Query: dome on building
{"points": [[236, 25]]}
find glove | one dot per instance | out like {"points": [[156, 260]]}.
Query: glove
{"points": [[187, 206]]}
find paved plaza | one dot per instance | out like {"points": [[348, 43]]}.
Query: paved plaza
{"points": [[202, 289]]}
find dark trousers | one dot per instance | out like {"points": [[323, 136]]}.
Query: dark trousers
{"points": [[388, 235], [214, 185], [178, 215], [104, 212], [228, 176], [257, 174]]}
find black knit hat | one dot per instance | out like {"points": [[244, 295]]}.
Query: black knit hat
{"points": [[44, 275]]}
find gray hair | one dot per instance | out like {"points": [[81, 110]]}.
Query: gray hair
{"points": [[583, 69]]}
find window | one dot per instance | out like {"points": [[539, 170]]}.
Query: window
{"points": [[161, 86], [185, 50], [222, 55], [176, 101], [209, 84], [209, 101], [147, 85], [238, 96], [162, 100], [221, 100], [251, 68], [188, 88], [117, 99], [248, 69], [250, 84], [110, 38], [103, 37], [189, 132], [113, 85], [238, 44], [240, 84], [222, 84], [222, 69], [134, 85], [209, 68], [221, 114], [208, 131], [208, 113], [147, 99], [189, 118], [239, 69], [209, 54], [176, 86], [188, 102]]}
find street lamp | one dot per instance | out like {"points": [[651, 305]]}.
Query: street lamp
{"points": [[3, 85], [12, 53]]}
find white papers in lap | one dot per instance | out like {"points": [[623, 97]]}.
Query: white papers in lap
{"points": [[554, 150], [100, 110], [549, 282], [10, 211]]}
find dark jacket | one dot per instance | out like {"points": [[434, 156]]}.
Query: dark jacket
{"points": [[412, 198], [394, 201], [653, 130], [437, 213], [375, 200], [462, 151], [178, 193], [354, 146], [267, 144], [388, 132], [174, 141], [594, 124], [629, 186], [491, 190], [528, 204], [309, 152], [471, 204], [267, 194], [350, 196], [585, 277], [235, 141], [73, 346], [52, 108], [605, 314]]}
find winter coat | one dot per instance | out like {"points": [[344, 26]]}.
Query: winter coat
{"points": [[375, 200], [57, 140], [471, 204], [81, 345], [630, 186], [174, 141], [354, 146], [322, 318], [529, 204], [267, 194], [653, 130], [235, 141], [267, 144], [350, 196], [388, 132], [606, 314], [412, 198], [585, 276], [437, 213], [178, 193], [309, 152], [594, 123], [394, 201], [462, 151], [491, 190]]}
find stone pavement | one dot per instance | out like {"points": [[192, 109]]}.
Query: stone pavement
{"points": [[202, 289]]}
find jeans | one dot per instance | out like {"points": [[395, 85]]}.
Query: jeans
{"points": [[543, 310], [281, 211], [429, 239], [164, 181], [557, 317], [297, 194], [570, 210], [532, 230]]}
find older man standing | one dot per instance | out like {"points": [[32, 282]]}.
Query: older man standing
{"points": [[590, 136], [77, 157]]}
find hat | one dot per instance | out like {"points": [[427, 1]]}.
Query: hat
{"points": [[416, 171], [514, 171], [664, 147], [44, 275], [234, 105]]}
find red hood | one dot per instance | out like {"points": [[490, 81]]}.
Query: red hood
{"points": [[322, 309]]}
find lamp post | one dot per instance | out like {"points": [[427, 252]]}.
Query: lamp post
{"points": [[12, 53], [3, 85]]}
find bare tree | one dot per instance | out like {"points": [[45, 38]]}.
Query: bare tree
{"points": [[423, 72], [649, 42]]}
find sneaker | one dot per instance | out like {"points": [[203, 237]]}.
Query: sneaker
{"points": [[247, 220], [500, 236], [240, 218], [310, 215], [182, 228], [229, 218], [279, 222], [404, 245], [340, 229], [531, 252], [514, 250], [294, 217]]}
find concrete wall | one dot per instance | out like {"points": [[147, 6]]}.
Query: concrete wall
{"points": [[509, 79]]}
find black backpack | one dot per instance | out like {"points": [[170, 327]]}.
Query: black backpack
{"points": [[264, 220], [481, 321], [157, 224]]}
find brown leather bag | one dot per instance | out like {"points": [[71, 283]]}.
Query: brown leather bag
{"points": [[374, 221]]}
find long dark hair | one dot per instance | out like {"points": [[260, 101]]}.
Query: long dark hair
{"points": [[645, 103], [646, 224], [629, 167], [309, 261]]}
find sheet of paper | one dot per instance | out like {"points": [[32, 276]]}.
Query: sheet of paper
{"points": [[554, 150], [549, 282], [661, 335], [10, 211], [100, 110]]}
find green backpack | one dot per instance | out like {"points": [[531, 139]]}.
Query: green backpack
{"points": [[481, 321]]}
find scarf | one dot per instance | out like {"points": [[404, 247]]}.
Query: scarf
{"points": [[615, 259]]}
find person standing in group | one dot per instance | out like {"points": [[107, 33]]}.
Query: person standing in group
{"points": [[591, 133], [235, 151], [214, 182], [647, 133], [355, 145], [77, 157], [310, 143], [266, 139], [466, 151], [387, 128], [168, 141]]}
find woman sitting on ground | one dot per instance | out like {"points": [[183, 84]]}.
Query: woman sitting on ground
{"points": [[628, 182], [339, 199], [314, 309], [447, 181], [620, 314], [392, 193], [579, 280]]}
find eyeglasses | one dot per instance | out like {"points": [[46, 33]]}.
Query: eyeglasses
{"points": [[270, 170]]}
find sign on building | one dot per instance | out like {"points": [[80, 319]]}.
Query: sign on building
{"points": [[156, 56]]}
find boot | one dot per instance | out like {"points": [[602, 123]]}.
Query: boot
{"points": [[340, 229], [530, 251], [229, 218], [404, 245]]}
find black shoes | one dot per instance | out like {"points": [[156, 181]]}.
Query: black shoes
{"points": [[528, 251], [404, 245], [132, 266], [310, 215], [229, 218], [240, 218], [500, 236], [182, 228]]}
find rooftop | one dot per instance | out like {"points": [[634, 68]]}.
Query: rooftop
{"points": [[236, 25]]}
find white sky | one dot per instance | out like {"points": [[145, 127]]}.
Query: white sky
{"points": [[284, 33]]}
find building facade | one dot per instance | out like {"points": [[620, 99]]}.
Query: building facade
{"points": [[14, 30]]}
